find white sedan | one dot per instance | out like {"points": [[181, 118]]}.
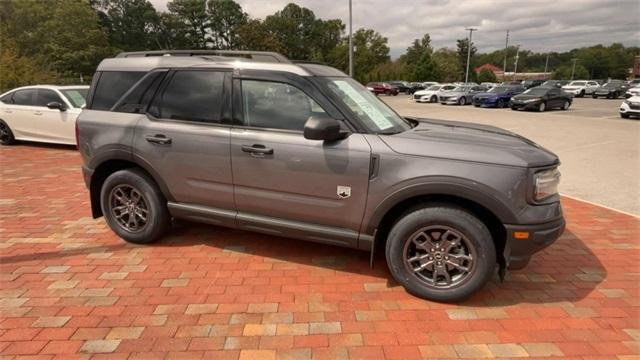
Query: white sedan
{"points": [[580, 88], [42, 113], [432, 93]]}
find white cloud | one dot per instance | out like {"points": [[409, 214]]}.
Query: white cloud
{"points": [[538, 25]]}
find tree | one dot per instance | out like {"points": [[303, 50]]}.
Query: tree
{"points": [[19, 70], [413, 56], [426, 69], [448, 64], [564, 72], [487, 75], [254, 36], [296, 29], [370, 51], [130, 24], [225, 18], [193, 13], [170, 32], [462, 50]]}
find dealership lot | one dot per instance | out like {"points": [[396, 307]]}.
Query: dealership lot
{"points": [[600, 152], [71, 288]]}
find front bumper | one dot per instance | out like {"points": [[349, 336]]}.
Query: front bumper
{"points": [[449, 101], [524, 106], [631, 110], [485, 102], [518, 248]]}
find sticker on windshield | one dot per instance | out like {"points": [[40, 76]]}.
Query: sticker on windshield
{"points": [[374, 114]]}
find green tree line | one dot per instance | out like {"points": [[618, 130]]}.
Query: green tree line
{"points": [[62, 41]]}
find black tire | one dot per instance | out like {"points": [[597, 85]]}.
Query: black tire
{"points": [[594, 96], [462, 101], [152, 199], [624, 116], [387, 92], [433, 99], [542, 107], [470, 232], [6, 135], [514, 108], [395, 93], [500, 103], [581, 93]]}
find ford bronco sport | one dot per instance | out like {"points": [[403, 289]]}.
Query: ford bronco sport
{"points": [[254, 141]]}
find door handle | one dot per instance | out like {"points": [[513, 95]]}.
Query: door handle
{"points": [[257, 149], [37, 113], [158, 139]]}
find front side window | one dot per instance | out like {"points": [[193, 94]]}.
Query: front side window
{"points": [[7, 99], [191, 95], [45, 96], [77, 97], [24, 97], [111, 86], [277, 105]]}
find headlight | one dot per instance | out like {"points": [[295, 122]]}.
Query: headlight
{"points": [[370, 88], [530, 100], [627, 102], [546, 183]]}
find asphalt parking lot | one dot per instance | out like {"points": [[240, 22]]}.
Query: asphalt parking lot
{"points": [[600, 152], [71, 289]]}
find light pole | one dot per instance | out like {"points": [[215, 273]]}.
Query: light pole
{"points": [[546, 63], [515, 65], [573, 68], [471, 30], [350, 41], [506, 49]]}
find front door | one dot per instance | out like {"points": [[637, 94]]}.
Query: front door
{"points": [[54, 125], [185, 142], [282, 179]]}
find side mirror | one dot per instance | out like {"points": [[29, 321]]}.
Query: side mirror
{"points": [[322, 128], [56, 105]]}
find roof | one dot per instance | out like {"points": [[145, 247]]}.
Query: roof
{"points": [[54, 87], [489, 67], [142, 62]]}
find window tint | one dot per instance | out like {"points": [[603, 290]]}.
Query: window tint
{"points": [[191, 95], [24, 97], [45, 96], [7, 98], [111, 86], [77, 97], [139, 97], [276, 105]]}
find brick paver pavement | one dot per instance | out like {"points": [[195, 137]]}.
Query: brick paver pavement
{"points": [[71, 289]]}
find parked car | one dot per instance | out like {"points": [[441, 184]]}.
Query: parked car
{"points": [[427, 84], [634, 82], [611, 90], [634, 91], [498, 96], [580, 88], [402, 86], [555, 83], [528, 84], [432, 93], [304, 151], [415, 86], [382, 88], [42, 113], [513, 83], [461, 95], [541, 98], [630, 107], [488, 85]]}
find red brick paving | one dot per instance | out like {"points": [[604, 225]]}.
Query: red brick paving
{"points": [[69, 286]]}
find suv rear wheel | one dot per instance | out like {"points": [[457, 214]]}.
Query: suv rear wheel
{"points": [[441, 253], [134, 207]]}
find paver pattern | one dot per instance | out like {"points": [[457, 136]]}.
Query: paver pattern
{"points": [[71, 289]]}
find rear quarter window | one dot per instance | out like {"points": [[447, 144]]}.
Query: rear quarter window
{"points": [[111, 86]]}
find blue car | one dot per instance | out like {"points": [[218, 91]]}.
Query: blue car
{"points": [[498, 96]]}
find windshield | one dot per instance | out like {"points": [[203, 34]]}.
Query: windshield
{"points": [[536, 91], [461, 89], [371, 111], [611, 85], [578, 83], [499, 90], [77, 97], [550, 82], [434, 87]]}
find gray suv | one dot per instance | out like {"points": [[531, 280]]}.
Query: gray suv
{"points": [[253, 141]]}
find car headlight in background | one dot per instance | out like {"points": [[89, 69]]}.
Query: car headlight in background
{"points": [[546, 183]]}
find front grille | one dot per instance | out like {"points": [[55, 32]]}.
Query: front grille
{"points": [[635, 106], [417, 97]]}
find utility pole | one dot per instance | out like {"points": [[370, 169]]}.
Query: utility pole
{"points": [[471, 30], [515, 68], [546, 63], [350, 41], [506, 49], [573, 68]]}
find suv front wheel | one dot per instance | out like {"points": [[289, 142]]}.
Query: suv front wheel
{"points": [[134, 207], [441, 253]]}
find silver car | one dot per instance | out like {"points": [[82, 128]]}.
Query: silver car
{"points": [[259, 143], [461, 95]]}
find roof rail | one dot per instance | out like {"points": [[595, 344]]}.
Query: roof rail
{"points": [[263, 56]]}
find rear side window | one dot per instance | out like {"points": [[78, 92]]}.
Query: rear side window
{"points": [[111, 86], [192, 96], [138, 98], [24, 97], [45, 96]]}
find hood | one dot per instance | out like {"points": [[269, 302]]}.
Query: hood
{"points": [[489, 95], [526, 96], [424, 92], [454, 93], [469, 142]]}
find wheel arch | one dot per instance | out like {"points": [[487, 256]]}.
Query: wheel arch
{"points": [[108, 167]]}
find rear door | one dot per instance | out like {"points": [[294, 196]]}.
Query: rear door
{"points": [[285, 182], [184, 138], [19, 115]]}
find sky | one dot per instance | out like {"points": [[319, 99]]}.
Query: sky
{"points": [[537, 25]]}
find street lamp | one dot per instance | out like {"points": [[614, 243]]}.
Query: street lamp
{"points": [[573, 68], [471, 30], [350, 42], [515, 65]]}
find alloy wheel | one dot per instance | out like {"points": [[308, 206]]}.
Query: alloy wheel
{"points": [[129, 207], [440, 256], [5, 132]]}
